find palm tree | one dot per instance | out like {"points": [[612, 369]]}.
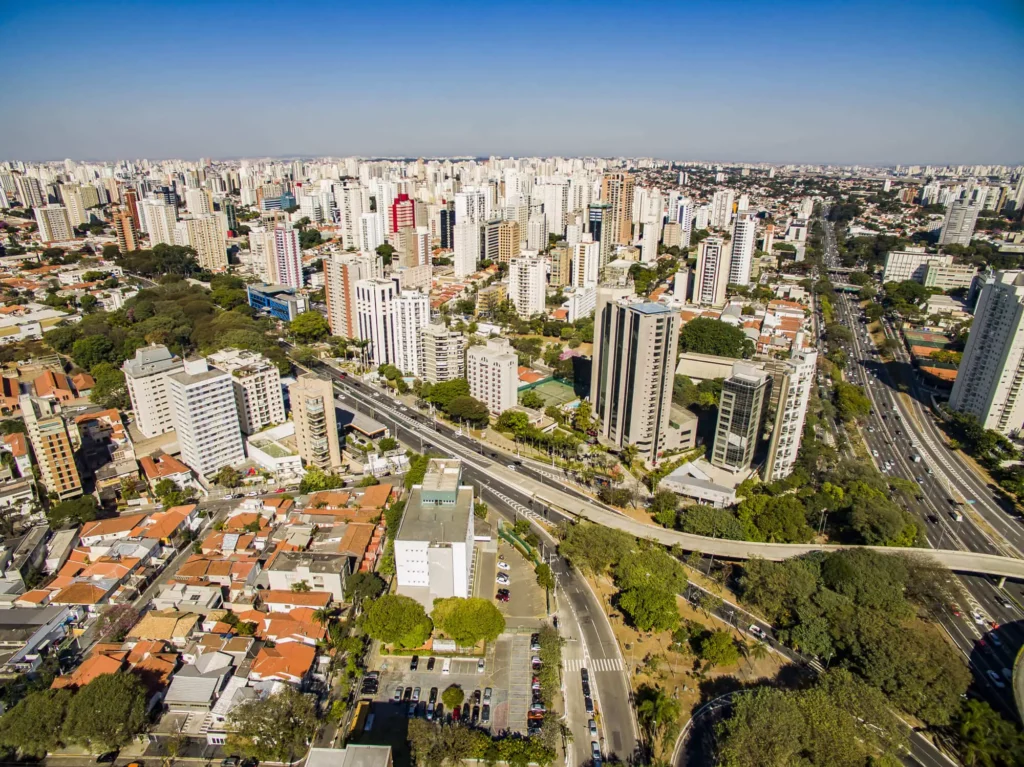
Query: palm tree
{"points": [[322, 615], [759, 651], [658, 713]]}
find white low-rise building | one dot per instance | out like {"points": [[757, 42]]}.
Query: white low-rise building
{"points": [[275, 451]]}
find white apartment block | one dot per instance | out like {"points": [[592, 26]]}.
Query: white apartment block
{"points": [[742, 249], [467, 247], [712, 273], [54, 223], [78, 200], [160, 219], [205, 417], [375, 316], [721, 208], [537, 232], [797, 380], [443, 353], [991, 373], [199, 202], [146, 377], [412, 313], [526, 285], [257, 386], [371, 232], [492, 372], [586, 264]]}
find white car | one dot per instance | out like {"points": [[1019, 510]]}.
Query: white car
{"points": [[503, 580], [503, 566], [978, 617], [874, 453]]}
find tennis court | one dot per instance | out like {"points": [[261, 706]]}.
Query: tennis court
{"points": [[555, 393]]}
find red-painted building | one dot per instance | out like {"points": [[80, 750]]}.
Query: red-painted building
{"points": [[403, 212]]}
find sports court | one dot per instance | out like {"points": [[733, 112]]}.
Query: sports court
{"points": [[555, 393]]}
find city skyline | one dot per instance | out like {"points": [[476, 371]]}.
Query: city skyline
{"points": [[800, 84]]}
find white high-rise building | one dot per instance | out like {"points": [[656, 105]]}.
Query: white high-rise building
{"points": [[342, 271], [467, 247], [492, 372], [257, 386], [684, 217], [526, 285], [712, 273], [990, 376], [348, 198], [146, 378], [443, 352], [199, 202], [586, 264], [961, 217], [78, 200], [537, 232], [31, 192], [371, 235], [286, 258], [54, 223], [649, 242], [470, 207], [412, 313], [375, 313], [742, 249], [554, 195], [807, 207], [797, 380], [721, 208], [205, 417], [159, 218], [207, 236], [701, 217]]}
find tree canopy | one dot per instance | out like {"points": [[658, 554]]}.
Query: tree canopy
{"points": [[707, 336], [309, 327], [107, 713], [468, 621], [278, 728], [398, 620]]}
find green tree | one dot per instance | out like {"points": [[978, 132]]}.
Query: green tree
{"points": [[650, 609], [227, 477], [309, 327], [360, 586], [75, 511], [316, 479], [398, 620], [545, 578], [469, 409], [387, 444], [91, 351], [531, 399], [452, 696], [386, 253], [594, 548], [851, 402], [441, 395], [658, 713], [110, 390], [719, 649], [107, 713], [983, 737], [706, 336], [468, 621], [278, 728], [480, 510], [34, 726]]}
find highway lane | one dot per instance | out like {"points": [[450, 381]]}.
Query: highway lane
{"points": [[583, 620], [892, 449]]}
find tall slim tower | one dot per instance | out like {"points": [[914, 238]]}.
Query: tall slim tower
{"points": [[124, 228], [341, 273], [316, 423], [51, 444], [740, 415], [287, 257], [601, 229], [796, 382], [712, 273], [742, 249], [634, 368], [961, 217], [991, 374], [721, 208], [617, 191], [412, 313]]}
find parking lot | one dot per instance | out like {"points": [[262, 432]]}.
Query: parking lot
{"points": [[527, 606]]}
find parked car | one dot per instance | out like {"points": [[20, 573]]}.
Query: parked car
{"points": [[485, 714], [414, 663], [593, 728], [504, 566]]}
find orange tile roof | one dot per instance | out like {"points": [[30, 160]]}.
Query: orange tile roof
{"points": [[277, 629], [17, 443], [239, 521], [9, 387], [356, 539], [161, 466], [345, 515], [105, 527], [52, 383], [80, 594], [291, 660], [164, 524], [330, 498], [560, 314], [376, 496], [83, 381], [301, 598], [94, 666], [34, 597]]}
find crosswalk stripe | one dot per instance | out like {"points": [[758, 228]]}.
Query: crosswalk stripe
{"points": [[594, 664]]}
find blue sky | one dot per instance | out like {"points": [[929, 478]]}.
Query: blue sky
{"points": [[837, 82]]}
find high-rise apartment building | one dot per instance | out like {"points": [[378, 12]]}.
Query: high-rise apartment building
{"points": [[403, 213], [526, 285], [508, 241], [721, 208], [257, 387], [160, 218], [31, 192], [537, 232], [740, 415], [443, 353], [199, 202], [412, 314], [447, 225], [124, 228], [711, 275], [961, 217], [286, 259], [601, 228], [586, 264], [131, 202], [48, 435], [316, 423], [617, 191], [371, 234], [54, 224], [991, 374], [492, 373], [467, 248], [742, 255], [207, 237], [795, 384], [375, 316], [78, 199], [341, 273], [635, 344], [205, 417], [561, 256], [146, 378]]}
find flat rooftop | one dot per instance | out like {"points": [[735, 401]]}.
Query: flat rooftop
{"points": [[436, 522], [317, 562]]}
